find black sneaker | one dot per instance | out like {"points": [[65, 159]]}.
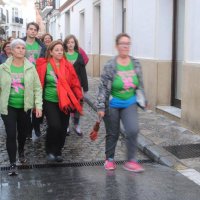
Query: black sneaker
{"points": [[22, 158], [13, 170], [59, 159]]}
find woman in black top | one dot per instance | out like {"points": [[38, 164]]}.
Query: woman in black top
{"points": [[72, 55]]}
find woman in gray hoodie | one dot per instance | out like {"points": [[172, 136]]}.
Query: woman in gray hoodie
{"points": [[117, 100]]}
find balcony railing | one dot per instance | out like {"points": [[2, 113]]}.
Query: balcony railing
{"points": [[46, 6], [17, 20]]}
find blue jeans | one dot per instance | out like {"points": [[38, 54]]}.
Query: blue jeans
{"points": [[129, 118]]}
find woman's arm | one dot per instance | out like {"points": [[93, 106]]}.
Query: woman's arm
{"points": [[37, 90], [83, 74], [104, 87]]}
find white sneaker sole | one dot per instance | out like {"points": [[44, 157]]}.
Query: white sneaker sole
{"points": [[133, 170]]}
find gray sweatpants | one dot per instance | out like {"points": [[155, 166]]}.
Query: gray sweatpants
{"points": [[129, 118]]}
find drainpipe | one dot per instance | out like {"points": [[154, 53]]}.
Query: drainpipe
{"points": [[174, 51]]}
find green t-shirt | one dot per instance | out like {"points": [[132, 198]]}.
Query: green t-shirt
{"points": [[50, 91], [71, 57], [16, 98], [33, 52], [125, 82]]}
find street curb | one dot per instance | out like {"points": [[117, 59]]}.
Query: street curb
{"points": [[149, 148]]}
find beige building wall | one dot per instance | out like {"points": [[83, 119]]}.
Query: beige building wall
{"points": [[164, 71], [93, 66], [190, 110], [157, 81], [96, 64]]}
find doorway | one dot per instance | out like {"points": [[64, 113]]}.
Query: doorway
{"points": [[178, 51]]}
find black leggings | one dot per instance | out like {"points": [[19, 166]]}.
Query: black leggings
{"points": [[57, 122], [16, 119], [34, 123]]}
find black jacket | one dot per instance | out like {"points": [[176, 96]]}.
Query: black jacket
{"points": [[79, 66], [43, 47]]}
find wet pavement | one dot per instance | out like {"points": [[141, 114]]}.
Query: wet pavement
{"points": [[94, 183]]}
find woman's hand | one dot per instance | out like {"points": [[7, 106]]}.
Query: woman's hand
{"points": [[38, 113], [101, 114]]}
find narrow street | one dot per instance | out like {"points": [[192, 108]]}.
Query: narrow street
{"points": [[122, 48]]}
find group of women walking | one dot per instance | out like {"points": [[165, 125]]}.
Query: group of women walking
{"points": [[55, 87], [51, 87]]}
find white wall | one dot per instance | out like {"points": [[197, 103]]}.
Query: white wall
{"points": [[25, 11], [62, 27], [143, 28], [164, 28], [150, 25], [107, 36], [192, 29], [55, 27], [148, 22], [75, 10]]}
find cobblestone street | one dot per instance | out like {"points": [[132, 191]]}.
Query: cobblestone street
{"points": [[76, 149]]}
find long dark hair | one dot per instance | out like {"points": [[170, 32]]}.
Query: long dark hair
{"points": [[76, 47]]}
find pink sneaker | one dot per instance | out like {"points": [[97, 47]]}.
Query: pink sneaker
{"points": [[109, 165], [133, 166]]}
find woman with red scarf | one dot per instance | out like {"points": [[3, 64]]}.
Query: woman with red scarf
{"points": [[61, 93]]}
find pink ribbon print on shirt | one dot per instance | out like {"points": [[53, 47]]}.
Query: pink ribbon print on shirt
{"points": [[54, 76], [16, 84], [127, 78], [31, 58]]}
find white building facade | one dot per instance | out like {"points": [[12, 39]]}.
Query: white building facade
{"points": [[165, 38], [17, 13]]}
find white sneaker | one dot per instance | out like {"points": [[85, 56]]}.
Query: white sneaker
{"points": [[34, 136], [68, 131], [78, 130]]}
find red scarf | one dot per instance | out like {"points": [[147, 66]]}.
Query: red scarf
{"points": [[66, 97]]}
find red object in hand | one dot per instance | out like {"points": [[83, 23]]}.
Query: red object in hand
{"points": [[94, 133]]}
